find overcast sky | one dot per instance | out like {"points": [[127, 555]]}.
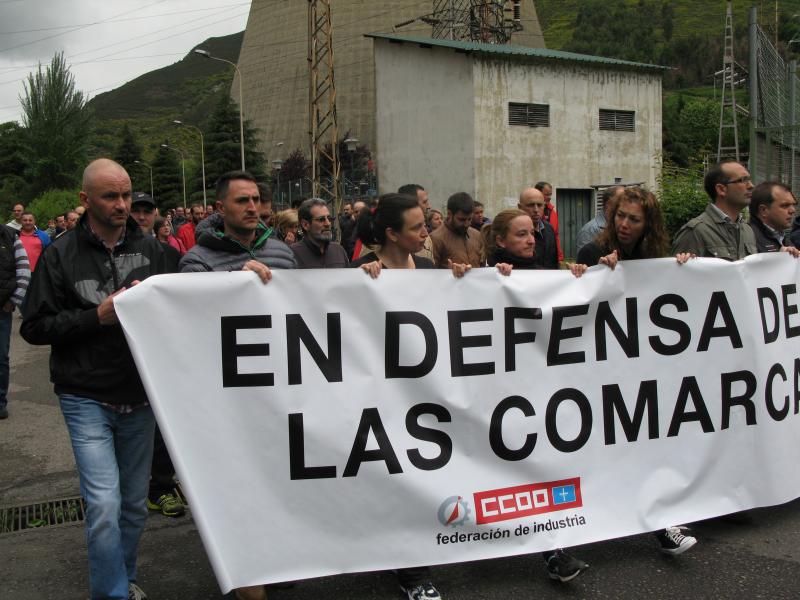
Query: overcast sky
{"points": [[106, 42]]}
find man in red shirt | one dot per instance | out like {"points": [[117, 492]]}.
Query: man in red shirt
{"points": [[550, 214], [186, 231], [33, 239]]}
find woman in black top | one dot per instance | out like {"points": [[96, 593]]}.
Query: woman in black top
{"points": [[509, 243], [397, 227], [635, 230]]}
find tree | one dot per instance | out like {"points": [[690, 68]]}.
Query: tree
{"points": [[127, 153], [223, 150], [691, 129], [167, 182], [12, 166], [296, 166], [56, 121]]}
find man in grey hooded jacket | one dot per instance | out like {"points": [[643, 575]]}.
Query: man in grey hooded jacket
{"points": [[233, 238]]}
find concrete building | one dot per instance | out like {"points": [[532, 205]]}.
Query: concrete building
{"points": [[275, 70], [491, 119]]}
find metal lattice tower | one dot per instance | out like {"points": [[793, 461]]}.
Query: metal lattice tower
{"points": [[729, 81], [473, 20], [323, 130]]}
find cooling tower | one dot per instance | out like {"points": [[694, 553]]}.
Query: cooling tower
{"points": [[274, 66]]}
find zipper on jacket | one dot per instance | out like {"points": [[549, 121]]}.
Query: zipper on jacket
{"points": [[114, 272]]}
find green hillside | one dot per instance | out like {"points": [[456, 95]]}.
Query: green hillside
{"points": [[186, 90], [703, 17]]}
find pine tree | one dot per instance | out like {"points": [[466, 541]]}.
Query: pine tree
{"points": [[167, 178], [127, 153], [57, 126], [223, 151]]}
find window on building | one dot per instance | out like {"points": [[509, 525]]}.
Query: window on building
{"points": [[532, 115], [617, 120]]}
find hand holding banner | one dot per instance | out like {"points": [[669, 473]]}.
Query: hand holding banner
{"points": [[361, 424]]}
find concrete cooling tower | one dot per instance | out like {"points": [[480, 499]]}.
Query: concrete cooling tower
{"points": [[274, 66]]}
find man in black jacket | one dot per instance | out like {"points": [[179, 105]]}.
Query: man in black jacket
{"points": [[772, 207], [545, 254], [70, 306]]}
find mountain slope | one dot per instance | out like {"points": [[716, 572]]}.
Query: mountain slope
{"points": [[187, 90]]}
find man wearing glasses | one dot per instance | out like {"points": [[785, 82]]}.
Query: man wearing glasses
{"points": [[721, 231], [317, 250]]}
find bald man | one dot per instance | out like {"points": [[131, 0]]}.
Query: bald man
{"points": [[70, 306], [545, 250]]}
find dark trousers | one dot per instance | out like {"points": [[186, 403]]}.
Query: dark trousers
{"points": [[162, 472], [5, 346], [413, 576]]}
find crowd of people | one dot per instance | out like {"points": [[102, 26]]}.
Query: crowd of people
{"points": [[118, 238]]}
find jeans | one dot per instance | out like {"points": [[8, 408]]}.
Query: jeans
{"points": [[113, 453], [5, 347]]}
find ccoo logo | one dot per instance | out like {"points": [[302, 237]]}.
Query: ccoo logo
{"points": [[454, 511]]}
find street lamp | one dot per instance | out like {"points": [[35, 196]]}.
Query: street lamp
{"points": [[183, 170], [207, 54], [202, 154], [351, 143], [144, 164], [277, 164]]}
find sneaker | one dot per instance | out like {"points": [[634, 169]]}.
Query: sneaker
{"points": [[168, 505], [3, 413], [674, 542], [425, 591], [563, 567], [135, 592], [252, 592]]}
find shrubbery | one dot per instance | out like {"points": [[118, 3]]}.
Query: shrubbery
{"points": [[682, 198], [52, 203]]}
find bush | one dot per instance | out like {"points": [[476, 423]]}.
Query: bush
{"points": [[682, 198], [52, 203]]}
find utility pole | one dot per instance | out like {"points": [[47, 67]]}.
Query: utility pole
{"points": [[486, 21], [729, 80], [325, 164]]}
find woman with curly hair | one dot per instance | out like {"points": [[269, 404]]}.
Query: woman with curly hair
{"points": [[635, 229]]}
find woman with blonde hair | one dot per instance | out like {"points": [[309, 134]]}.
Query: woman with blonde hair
{"points": [[286, 226], [509, 243]]}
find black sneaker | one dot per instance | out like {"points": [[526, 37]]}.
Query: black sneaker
{"points": [[135, 592], [563, 567], [3, 413], [674, 542], [425, 591]]}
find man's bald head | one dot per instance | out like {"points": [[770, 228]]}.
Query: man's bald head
{"points": [[532, 202], [106, 195], [99, 168]]}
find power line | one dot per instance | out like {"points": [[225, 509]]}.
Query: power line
{"points": [[158, 16], [139, 38], [49, 37]]}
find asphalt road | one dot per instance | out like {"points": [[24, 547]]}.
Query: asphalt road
{"points": [[758, 560]]}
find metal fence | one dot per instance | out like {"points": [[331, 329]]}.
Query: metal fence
{"points": [[285, 193], [774, 110]]}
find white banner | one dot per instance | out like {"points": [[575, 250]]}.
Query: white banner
{"points": [[328, 423]]}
